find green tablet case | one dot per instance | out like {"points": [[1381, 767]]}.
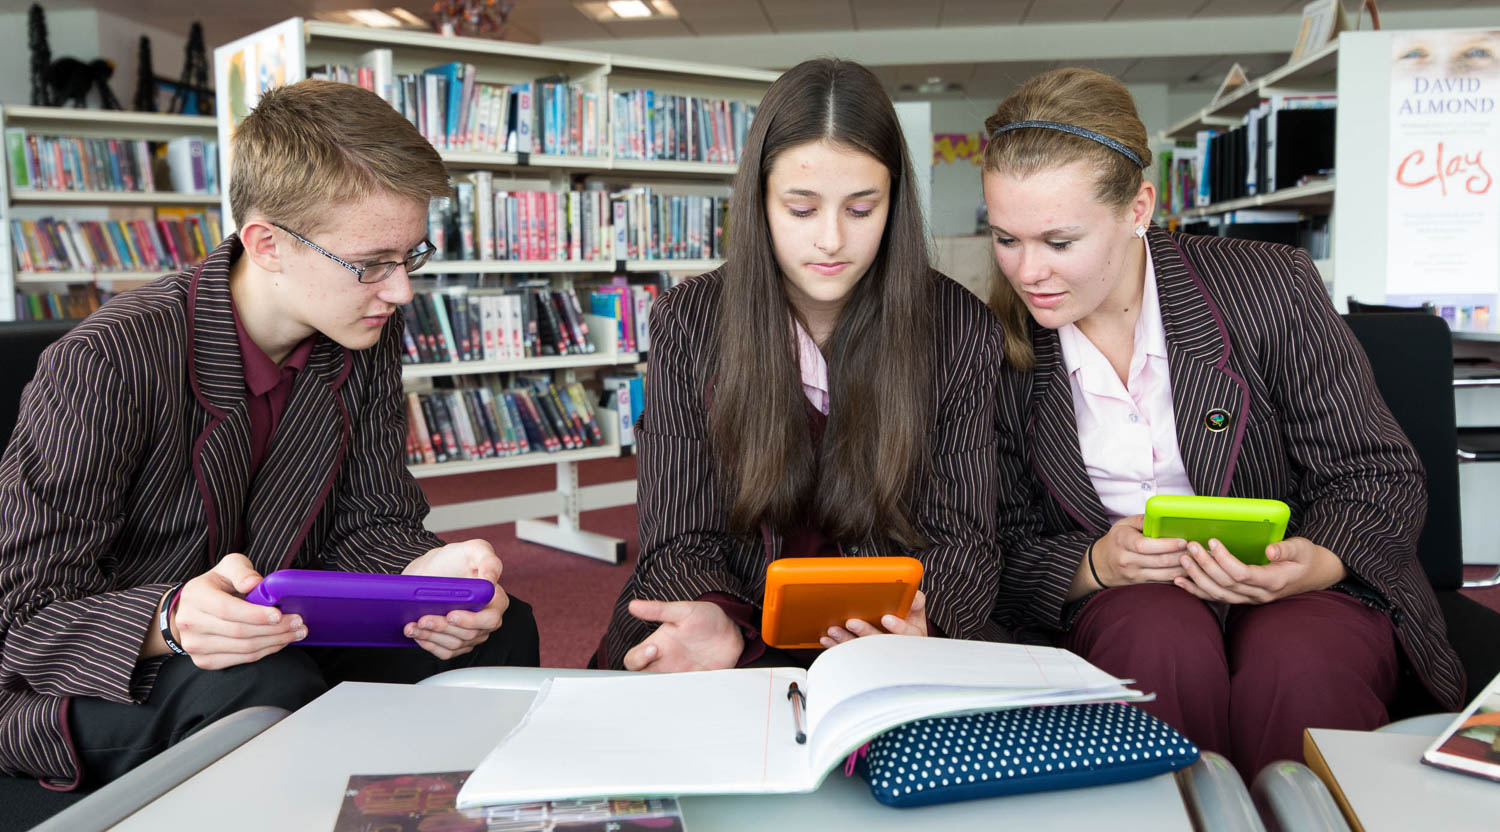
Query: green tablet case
{"points": [[1245, 526]]}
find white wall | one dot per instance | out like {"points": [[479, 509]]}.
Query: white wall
{"points": [[70, 33], [916, 127], [85, 34], [119, 40]]}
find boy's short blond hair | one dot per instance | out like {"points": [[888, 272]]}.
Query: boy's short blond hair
{"points": [[314, 145]]}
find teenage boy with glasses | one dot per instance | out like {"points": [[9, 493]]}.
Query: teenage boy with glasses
{"points": [[213, 426]]}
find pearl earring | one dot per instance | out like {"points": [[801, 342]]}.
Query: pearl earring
{"points": [[1140, 231]]}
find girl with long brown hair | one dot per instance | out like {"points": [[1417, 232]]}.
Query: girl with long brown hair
{"points": [[1142, 362], [824, 393]]}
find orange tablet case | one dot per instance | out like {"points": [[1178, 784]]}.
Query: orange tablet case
{"points": [[806, 596]]}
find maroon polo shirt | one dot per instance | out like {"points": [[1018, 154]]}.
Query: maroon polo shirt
{"points": [[267, 388]]}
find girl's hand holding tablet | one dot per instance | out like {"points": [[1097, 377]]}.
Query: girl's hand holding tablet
{"points": [[1126, 556], [1296, 565], [914, 624]]}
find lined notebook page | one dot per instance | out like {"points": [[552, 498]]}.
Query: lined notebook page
{"points": [[724, 731]]}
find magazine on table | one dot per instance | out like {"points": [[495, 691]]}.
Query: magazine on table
{"points": [[1471, 743], [425, 802]]}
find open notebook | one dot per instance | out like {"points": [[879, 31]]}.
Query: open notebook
{"points": [[735, 731]]}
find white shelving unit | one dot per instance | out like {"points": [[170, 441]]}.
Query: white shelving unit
{"points": [[1311, 195], [300, 44], [30, 204], [1316, 73]]}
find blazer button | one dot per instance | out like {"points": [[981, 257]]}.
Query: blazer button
{"points": [[853, 550]]}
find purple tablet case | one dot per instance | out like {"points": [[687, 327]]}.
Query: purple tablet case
{"points": [[352, 609]]}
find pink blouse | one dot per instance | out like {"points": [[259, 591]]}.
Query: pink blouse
{"points": [[814, 369], [1126, 432]]}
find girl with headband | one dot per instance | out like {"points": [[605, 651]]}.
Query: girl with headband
{"points": [[1141, 362]]}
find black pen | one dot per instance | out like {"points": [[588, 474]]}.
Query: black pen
{"points": [[799, 704]]}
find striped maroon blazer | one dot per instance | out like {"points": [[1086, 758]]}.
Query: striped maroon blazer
{"points": [[127, 473], [1250, 330], [686, 550]]}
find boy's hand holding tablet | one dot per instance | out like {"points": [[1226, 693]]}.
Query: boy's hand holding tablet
{"points": [[456, 633], [219, 628]]}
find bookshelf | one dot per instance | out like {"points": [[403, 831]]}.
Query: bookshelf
{"points": [[1311, 195], [288, 51], [1315, 74], [33, 204]]}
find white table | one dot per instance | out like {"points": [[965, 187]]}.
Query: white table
{"points": [[293, 775], [1379, 776]]}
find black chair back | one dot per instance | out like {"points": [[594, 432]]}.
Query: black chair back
{"points": [[1412, 356], [21, 344], [1358, 308]]}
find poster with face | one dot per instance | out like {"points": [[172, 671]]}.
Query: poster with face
{"points": [[1443, 223]]}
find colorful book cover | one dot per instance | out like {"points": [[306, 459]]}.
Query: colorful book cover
{"points": [[1471, 743], [412, 802]]}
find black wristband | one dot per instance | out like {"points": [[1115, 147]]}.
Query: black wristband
{"points": [[164, 620], [1092, 570]]}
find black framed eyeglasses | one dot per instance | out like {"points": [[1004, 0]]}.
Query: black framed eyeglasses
{"points": [[371, 272]]}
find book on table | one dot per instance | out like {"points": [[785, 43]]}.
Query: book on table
{"points": [[763, 730], [1471, 743]]}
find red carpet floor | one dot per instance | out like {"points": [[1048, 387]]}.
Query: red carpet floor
{"points": [[573, 595]]}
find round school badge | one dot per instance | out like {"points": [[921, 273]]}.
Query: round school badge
{"points": [[1216, 420]]}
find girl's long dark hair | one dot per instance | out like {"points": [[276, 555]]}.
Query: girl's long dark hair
{"points": [[880, 354]]}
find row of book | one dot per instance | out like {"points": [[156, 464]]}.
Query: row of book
{"points": [[454, 110], [485, 419], [169, 243], [61, 163], [650, 125], [1285, 141], [629, 306], [654, 226], [483, 221], [454, 325], [78, 302], [65, 163]]}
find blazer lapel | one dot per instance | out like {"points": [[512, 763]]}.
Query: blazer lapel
{"points": [[221, 451], [1210, 400], [1052, 436], [302, 461]]}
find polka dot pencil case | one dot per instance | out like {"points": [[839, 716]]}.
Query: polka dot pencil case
{"points": [[1020, 750]]}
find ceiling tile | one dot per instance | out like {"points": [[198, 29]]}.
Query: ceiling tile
{"points": [[729, 25], [881, 14], [812, 20], [1252, 8], [1069, 11], [646, 28], [775, 6], [566, 27], [1162, 9], [982, 12]]}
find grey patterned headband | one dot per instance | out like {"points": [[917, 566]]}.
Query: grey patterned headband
{"points": [[1076, 131]]}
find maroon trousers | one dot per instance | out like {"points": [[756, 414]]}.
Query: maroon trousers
{"points": [[1247, 689]]}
